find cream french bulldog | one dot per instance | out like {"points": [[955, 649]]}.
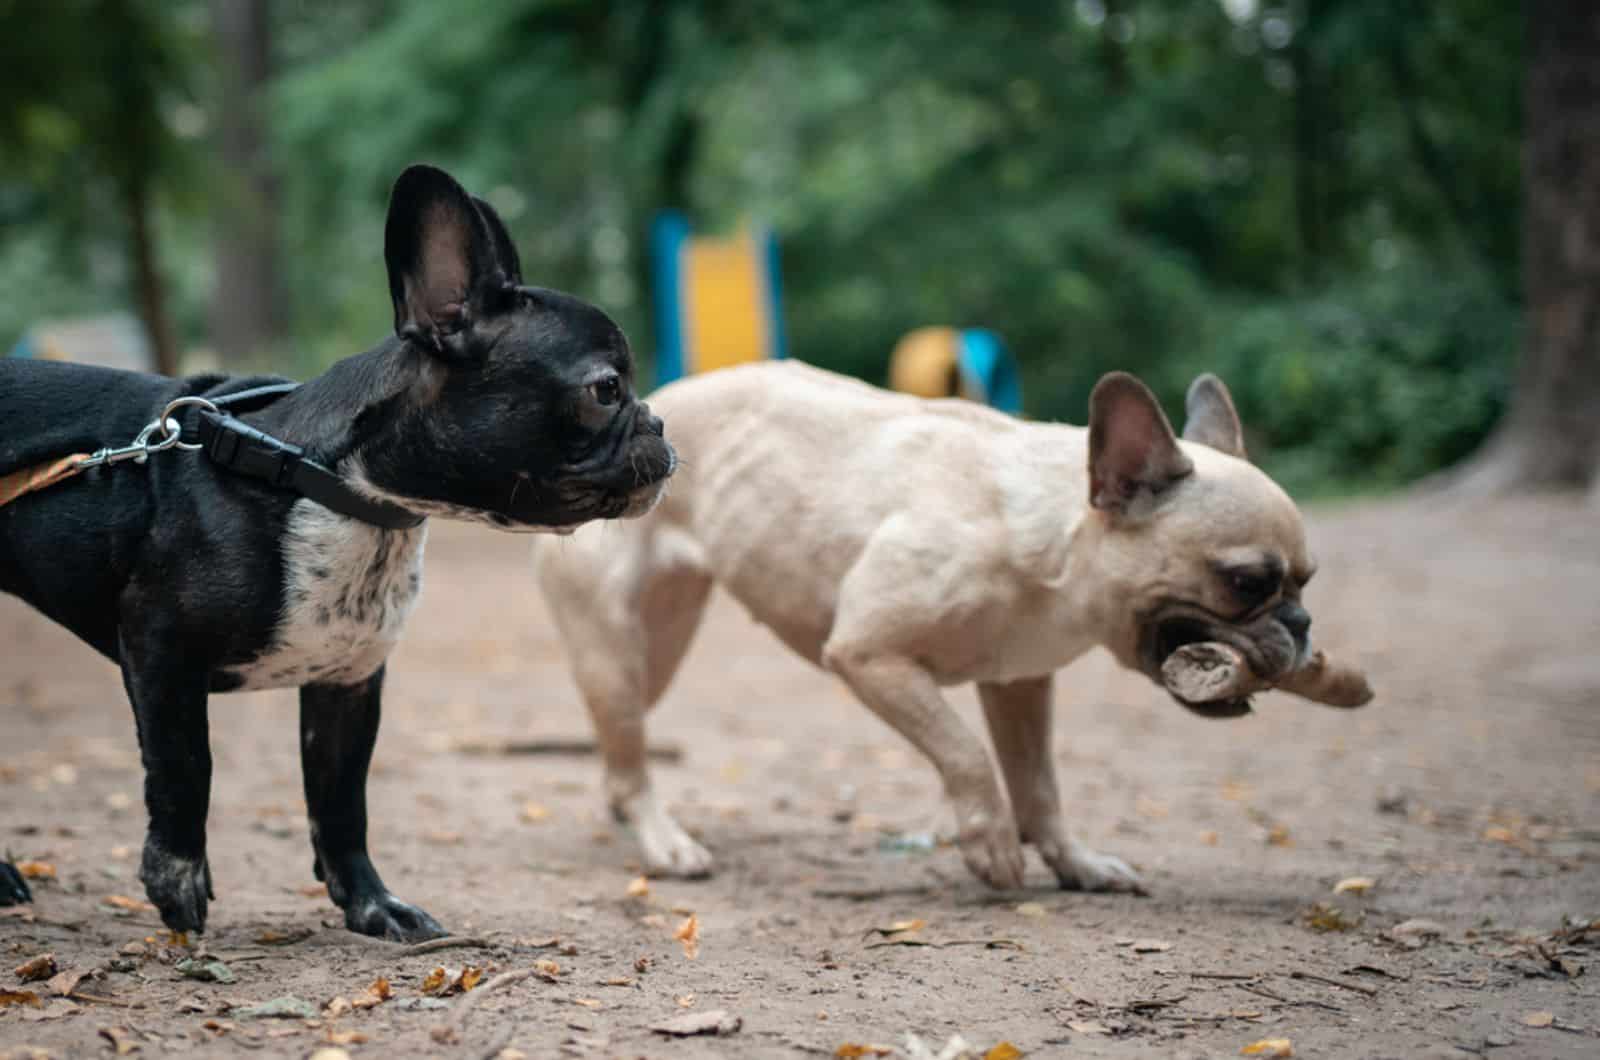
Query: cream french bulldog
{"points": [[909, 545]]}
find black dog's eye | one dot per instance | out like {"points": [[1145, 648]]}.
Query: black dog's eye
{"points": [[607, 391], [1251, 586]]}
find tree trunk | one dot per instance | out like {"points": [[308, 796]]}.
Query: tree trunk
{"points": [[149, 288], [1550, 438], [246, 305]]}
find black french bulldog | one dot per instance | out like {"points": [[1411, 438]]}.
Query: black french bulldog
{"points": [[494, 402]]}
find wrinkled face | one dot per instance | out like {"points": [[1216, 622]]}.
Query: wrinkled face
{"points": [[1230, 550], [546, 428], [523, 414]]}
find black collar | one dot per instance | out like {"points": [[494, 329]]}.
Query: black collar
{"points": [[235, 445]]}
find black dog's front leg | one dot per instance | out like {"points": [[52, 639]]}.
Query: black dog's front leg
{"points": [[338, 726], [13, 888], [169, 708]]}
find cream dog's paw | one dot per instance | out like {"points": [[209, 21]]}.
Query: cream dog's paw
{"points": [[668, 850], [1080, 869], [991, 849]]}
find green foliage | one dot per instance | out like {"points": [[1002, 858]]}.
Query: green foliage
{"points": [[1316, 199]]}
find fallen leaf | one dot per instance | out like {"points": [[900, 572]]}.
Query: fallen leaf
{"points": [[126, 904], [1003, 1051], [64, 983], [533, 812], [53, 1009], [1499, 834], [1271, 1047], [1539, 1019], [443, 839], [1208, 837], [287, 1007], [1088, 1027], [19, 997], [1278, 836], [209, 970], [1324, 917], [1417, 928], [435, 981], [1357, 885], [845, 1052], [588, 1002], [638, 887], [121, 1044], [688, 933], [546, 970], [339, 1006], [37, 968], [1151, 946], [899, 927], [714, 1021], [617, 980], [312, 890], [272, 937], [328, 1052], [1030, 909], [641, 964], [346, 1037], [685, 1000], [218, 1027], [36, 870], [469, 978], [376, 994]]}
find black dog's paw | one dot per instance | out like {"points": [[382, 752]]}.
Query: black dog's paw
{"points": [[180, 887], [13, 888], [386, 916]]}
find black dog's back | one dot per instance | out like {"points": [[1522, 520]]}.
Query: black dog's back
{"points": [[49, 409]]}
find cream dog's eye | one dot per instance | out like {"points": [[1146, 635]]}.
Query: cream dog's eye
{"points": [[1252, 585], [607, 391]]}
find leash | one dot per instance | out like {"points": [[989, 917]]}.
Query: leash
{"points": [[231, 444]]}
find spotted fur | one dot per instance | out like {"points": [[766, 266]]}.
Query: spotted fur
{"points": [[348, 589]]}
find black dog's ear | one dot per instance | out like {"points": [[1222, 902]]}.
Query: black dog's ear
{"points": [[505, 252], [1211, 418], [442, 257], [1133, 454]]}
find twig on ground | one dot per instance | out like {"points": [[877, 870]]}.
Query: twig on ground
{"points": [[449, 942], [1370, 991], [1230, 976], [1264, 992], [871, 894], [450, 1030], [655, 753], [98, 999]]}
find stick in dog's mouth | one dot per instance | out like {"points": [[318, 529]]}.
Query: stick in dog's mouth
{"points": [[1213, 679]]}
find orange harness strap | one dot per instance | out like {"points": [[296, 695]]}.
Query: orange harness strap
{"points": [[31, 479]]}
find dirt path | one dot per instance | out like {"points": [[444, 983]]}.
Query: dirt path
{"points": [[1469, 792]]}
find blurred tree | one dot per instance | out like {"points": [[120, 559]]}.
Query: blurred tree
{"points": [[88, 85], [1551, 435], [246, 303]]}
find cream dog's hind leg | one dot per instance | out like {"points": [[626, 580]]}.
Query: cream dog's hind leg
{"points": [[1019, 717]]}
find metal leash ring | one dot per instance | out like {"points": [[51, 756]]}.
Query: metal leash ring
{"points": [[171, 430]]}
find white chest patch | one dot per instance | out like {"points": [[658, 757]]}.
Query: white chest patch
{"points": [[348, 589]]}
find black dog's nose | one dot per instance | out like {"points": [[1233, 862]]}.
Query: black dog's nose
{"points": [[1296, 619], [648, 422]]}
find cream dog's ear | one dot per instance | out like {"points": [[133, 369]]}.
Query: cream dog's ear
{"points": [[1133, 455], [1211, 418]]}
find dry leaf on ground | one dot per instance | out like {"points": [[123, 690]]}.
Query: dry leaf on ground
{"points": [[1539, 1019], [19, 997], [1030, 909], [1269, 1047], [688, 933], [346, 1037], [588, 1002], [120, 1041], [1003, 1051], [850, 1050], [534, 812], [899, 927], [1357, 885], [638, 887], [37, 968], [375, 995], [713, 1021], [130, 905], [1324, 917], [546, 970], [36, 870], [64, 983]]}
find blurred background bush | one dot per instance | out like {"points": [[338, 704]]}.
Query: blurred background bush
{"points": [[1316, 199]]}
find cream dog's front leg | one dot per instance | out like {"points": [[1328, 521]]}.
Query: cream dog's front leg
{"points": [[1019, 718], [904, 694]]}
